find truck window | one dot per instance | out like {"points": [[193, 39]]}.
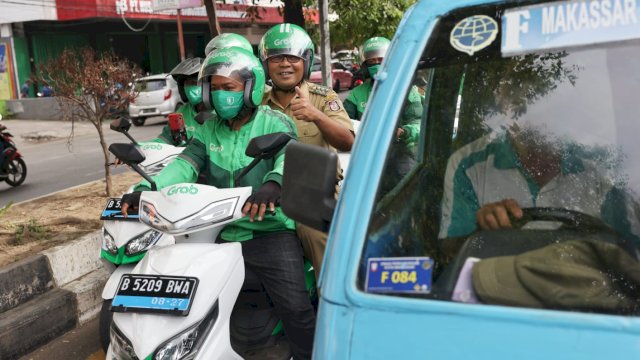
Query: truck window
{"points": [[520, 178]]}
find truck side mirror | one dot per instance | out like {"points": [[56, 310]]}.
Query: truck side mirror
{"points": [[267, 146], [309, 185]]}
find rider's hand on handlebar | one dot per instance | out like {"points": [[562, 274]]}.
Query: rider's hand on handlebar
{"points": [[130, 201], [495, 215], [267, 195]]}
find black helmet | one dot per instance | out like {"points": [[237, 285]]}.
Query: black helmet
{"points": [[186, 69]]}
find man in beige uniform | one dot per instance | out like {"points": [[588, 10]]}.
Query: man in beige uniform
{"points": [[286, 51]]}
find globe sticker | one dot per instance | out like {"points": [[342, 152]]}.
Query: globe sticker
{"points": [[473, 34]]}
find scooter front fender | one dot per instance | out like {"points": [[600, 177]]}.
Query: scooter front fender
{"points": [[112, 284]]}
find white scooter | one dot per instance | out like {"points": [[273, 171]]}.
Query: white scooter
{"points": [[126, 240], [177, 301]]}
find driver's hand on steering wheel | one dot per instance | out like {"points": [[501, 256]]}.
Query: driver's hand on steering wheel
{"points": [[494, 216]]}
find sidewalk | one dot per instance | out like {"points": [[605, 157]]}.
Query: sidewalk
{"points": [[48, 294]]}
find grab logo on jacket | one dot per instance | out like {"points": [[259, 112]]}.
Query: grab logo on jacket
{"points": [[216, 148]]}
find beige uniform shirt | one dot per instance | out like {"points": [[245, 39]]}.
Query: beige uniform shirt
{"points": [[322, 98]]}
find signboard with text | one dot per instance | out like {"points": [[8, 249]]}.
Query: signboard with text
{"points": [[160, 5]]}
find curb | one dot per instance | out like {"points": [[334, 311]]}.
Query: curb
{"points": [[50, 293]]}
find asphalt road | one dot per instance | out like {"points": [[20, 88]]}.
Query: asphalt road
{"points": [[59, 164]]}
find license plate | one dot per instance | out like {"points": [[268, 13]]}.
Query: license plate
{"points": [[171, 295], [113, 211], [146, 111]]}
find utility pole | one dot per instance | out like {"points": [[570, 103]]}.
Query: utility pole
{"points": [[325, 43], [180, 35], [214, 26]]}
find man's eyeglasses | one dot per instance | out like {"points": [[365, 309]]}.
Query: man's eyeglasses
{"points": [[279, 58]]}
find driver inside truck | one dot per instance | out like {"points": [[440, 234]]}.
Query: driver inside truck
{"points": [[525, 162]]}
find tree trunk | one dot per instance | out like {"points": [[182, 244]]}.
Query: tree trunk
{"points": [[293, 12], [105, 152]]}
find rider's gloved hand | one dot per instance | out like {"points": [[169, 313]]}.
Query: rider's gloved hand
{"points": [[130, 201], [267, 195]]}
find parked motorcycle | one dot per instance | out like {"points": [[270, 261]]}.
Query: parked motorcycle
{"points": [[126, 240], [13, 169], [177, 303]]}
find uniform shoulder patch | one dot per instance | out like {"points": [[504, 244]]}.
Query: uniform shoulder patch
{"points": [[333, 105], [318, 89]]}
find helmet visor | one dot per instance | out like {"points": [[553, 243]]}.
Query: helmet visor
{"points": [[375, 53], [285, 41], [189, 67], [225, 62]]}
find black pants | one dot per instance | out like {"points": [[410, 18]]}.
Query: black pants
{"points": [[277, 260]]}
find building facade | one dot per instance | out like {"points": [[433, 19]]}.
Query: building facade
{"points": [[33, 31]]}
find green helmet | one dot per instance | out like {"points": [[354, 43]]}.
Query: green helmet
{"points": [[374, 48], [236, 63], [287, 39], [186, 69], [226, 40]]}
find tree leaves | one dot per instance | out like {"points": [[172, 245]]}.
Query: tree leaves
{"points": [[91, 86]]}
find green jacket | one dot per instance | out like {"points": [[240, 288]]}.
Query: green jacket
{"points": [[189, 113], [220, 152], [356, 102]]}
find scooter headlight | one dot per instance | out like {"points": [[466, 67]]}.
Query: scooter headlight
{"points": [[142, 242], [108, 243], [149, 215], [185, 346], [120, 345]]}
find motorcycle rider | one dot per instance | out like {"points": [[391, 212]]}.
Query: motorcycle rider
{"points": [[186, 75], [407, 135], [233, 84], [373, 52], [226, 40], [287, 54]]}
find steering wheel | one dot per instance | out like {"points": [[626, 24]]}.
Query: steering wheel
{"points": [[570, 219]]}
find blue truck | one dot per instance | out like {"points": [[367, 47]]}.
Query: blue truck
{"points": [[507, 226]]}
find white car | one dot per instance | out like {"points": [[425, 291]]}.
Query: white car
{"points": [[157, 96]]}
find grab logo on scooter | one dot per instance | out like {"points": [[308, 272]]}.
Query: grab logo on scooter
{"points": [[152, 147], [182, 190]]}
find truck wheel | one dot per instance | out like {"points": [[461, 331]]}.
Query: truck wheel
{"points": [[336, 86], [139, 121], [106, 317]]}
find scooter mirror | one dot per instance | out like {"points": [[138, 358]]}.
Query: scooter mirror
{"points": [[267, 146], [128, 153], [121, 125]]}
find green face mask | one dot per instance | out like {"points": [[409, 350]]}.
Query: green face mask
{"points": [[194, 94], [227, 103], [373, 70]]}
